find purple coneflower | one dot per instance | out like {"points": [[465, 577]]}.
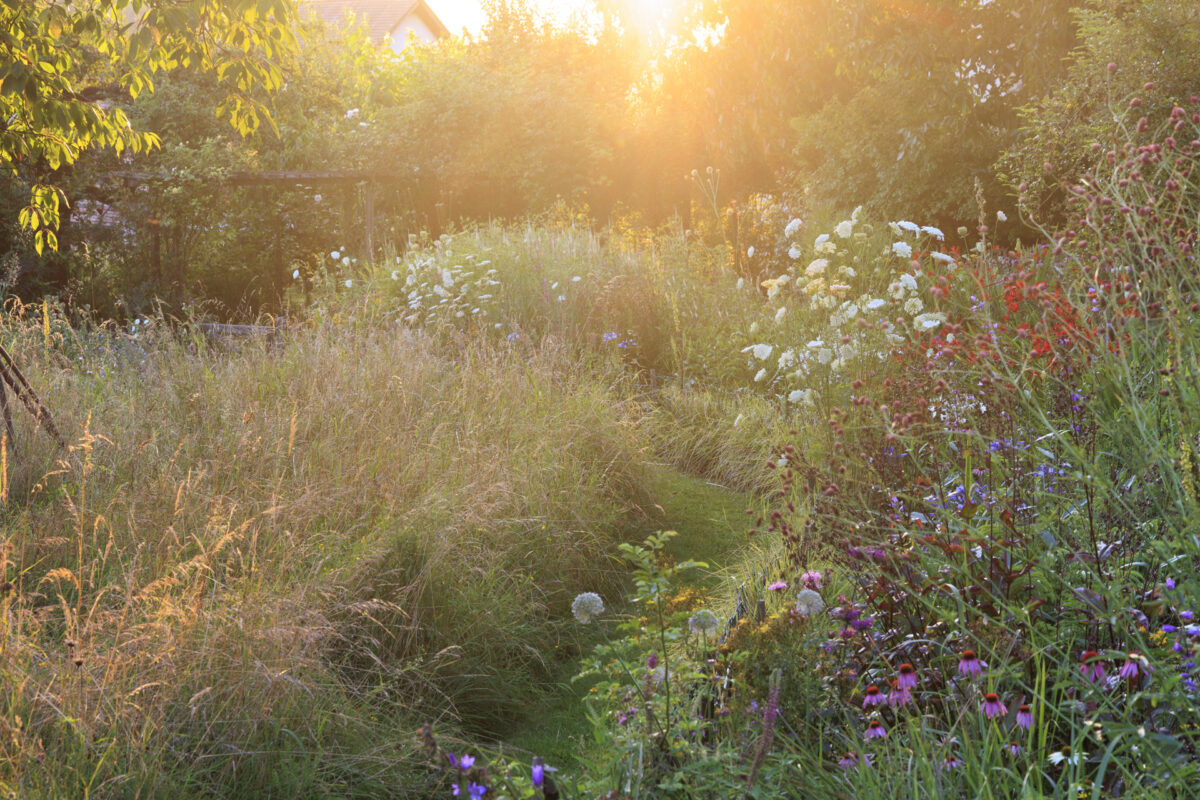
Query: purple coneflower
{"points": [[1024, 717], [951, 762], [875, 730], [1013, 748], [873, 696], [1130, 668], [1092, 666], [848, 760], [899, 697], [969, 664], [906, 677], [992, 707]]}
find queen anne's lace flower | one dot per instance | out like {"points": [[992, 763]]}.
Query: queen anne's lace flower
{"points": [[816, 267], [760, 351], [902, 249], [792, 228], [844, 229]]}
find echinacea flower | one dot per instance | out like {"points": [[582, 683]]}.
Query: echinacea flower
{"points": [[1013, 748], [848, 760], [992, 707], [1092, 666], [1024, 717], [951, 762], [587, 606], [1130, 668], [899, 697], [969, 664], [1059, 756], [906, 677], [872, 696], [875, 730]]}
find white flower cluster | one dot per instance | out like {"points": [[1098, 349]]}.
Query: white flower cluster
{"points": [[587, 606], [440, 286], [703, 621]]}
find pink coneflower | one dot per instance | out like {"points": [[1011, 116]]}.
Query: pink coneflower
{"points": [[1024, 717], [875, 730], [969, 664], [873, 696], [777, 586], [906, 677], [1013, 748], [951, 762], [1130, 668], [899, 697], [1092, 666], [848, 760], [992, 707]]}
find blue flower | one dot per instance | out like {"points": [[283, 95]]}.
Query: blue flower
{"points": [[539, 772], [476, 790]]}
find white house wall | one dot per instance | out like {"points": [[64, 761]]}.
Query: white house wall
{"points": [[416, 25]]}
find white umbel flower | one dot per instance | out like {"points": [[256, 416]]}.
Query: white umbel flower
{"points": [[808, 602], [587, 606], [902, 249]]}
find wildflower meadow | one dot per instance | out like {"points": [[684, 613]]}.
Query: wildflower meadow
{"points": [[551, 410]]}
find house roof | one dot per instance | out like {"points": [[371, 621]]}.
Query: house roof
{"points": [[380, 16]]}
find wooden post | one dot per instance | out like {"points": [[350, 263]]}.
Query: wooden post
{"points": [[369, 233]]}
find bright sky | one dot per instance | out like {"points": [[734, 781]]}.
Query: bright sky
{"points": [[459, 14]]}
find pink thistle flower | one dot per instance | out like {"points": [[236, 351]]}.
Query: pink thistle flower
{"points": [[992, 707], [812, 579], [777, 586], [1092, 666], [906, 677], [969, 664], [872, 696], [875, 730], [1024, 717]]}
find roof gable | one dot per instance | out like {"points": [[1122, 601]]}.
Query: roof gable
{"points": [[381, 17]]}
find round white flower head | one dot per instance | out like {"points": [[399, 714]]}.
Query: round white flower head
{"points": [[908, 282], [761, 351], [750, 251], [809, 602], [855, 214], [345, 261], [820, 240], [824, 355], [934, 232], [902, 249], [349, 283], [792, 228], [945, 259], [911, 227], [587, 606], [787, 359], [929, 321], [816, 267], [395, 275], [1001, 216], [779, 315], [794, 252], [913, 306], [797, 395], [335, 255], [844, 229], [876, 304], [703, 621], [761, 376], [295, 274], [741, 284]]}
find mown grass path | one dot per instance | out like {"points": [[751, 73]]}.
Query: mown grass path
{"points": [[712, 527]]}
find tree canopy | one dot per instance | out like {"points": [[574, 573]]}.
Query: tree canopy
{"points": [[64, 67]]}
